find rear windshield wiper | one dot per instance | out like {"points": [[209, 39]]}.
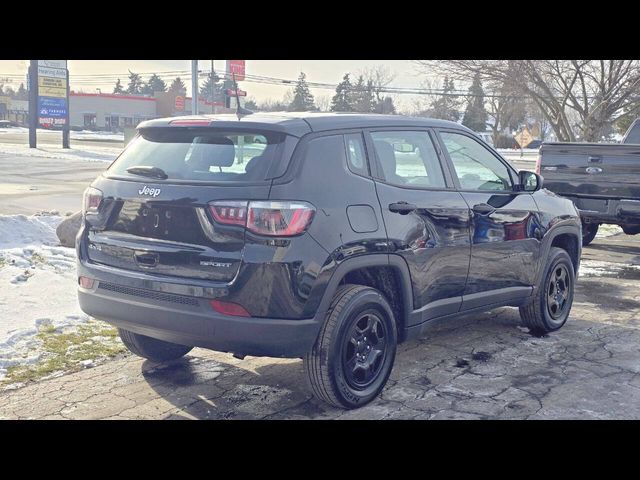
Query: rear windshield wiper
{"points": [[153, 172]]}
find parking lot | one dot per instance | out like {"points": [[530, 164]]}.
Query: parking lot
{"points": [[478, 366]]}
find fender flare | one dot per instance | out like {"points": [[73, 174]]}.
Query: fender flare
{"points": [[571, 229], [372, 260]]}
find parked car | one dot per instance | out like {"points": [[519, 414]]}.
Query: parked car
{"points": [[328, 237], [6, 124], [602, 179]]}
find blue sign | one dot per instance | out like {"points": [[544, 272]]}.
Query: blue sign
{"points": [[50, 107]]}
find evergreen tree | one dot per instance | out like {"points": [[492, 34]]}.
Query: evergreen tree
{"points": [[206, 89], [341, 101], [135, 84], [475, 116], [155, 84], [385, 106], [118, 88], [177, 87], [362, 97], [445, 106], [302, 97], [22, 94]]}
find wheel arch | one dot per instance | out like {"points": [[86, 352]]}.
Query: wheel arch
{"points": [[387, 273], [566, 237]]}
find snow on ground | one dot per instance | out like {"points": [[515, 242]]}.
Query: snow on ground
{"points": [[88, 153], [37, 285], [91, 135], [606, 230]]}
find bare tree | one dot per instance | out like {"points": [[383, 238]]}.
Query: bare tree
{"points": [[380, 77], [579, 98], [323, 102]]}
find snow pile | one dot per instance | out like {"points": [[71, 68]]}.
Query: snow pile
{"points": [[606, 230], [88, 153], [37, 285]]}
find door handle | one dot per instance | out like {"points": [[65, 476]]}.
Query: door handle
{"points": [[483, 209], [402, 208]]}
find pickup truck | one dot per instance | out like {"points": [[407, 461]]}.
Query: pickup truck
{"points": [[602, 180]]}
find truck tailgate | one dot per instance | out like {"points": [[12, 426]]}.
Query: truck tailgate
{"points": [[591, 169]]}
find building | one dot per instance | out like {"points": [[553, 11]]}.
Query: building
{"points": [[106, 111], [115, 112], [15, 111]]}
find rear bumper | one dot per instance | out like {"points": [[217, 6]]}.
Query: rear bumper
{"points": [[616, 211], [159, 312]]}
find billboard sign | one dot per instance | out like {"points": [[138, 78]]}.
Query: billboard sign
{"points": [[62, 64], [236, 67], [50, 107], [53, 94]]}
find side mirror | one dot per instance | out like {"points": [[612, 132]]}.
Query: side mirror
{"points": [[529, 181]]}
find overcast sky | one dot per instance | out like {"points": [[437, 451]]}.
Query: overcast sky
{"points": [[330, 71]]}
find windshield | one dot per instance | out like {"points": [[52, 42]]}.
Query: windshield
{"points": [[203, 155]]}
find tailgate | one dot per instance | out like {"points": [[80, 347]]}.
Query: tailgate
{"points": [[173, 236], [591, 170]]}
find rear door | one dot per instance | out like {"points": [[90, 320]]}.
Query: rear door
{"points": [[427, 221], [167, 225], [504, 223]]}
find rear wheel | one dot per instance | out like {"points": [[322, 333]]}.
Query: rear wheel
{"points": [[631, 229], [353, 356], [589, 231], [152, 348], [551, 305]]}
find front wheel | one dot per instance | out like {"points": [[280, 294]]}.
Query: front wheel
{"points": [[589, 231], [353, 356], [631, 229], [552, 302]]}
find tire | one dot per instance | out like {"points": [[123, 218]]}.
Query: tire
{"points": [[552, 302], [151, 348], [589, 231], [631, 229], [341, 371]]}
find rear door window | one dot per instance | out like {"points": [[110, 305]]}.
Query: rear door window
{"points": [[202, 155], [408, 159]]}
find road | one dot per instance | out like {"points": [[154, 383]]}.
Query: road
{"points": [[45, 137], [475, 367], [30, 184]]}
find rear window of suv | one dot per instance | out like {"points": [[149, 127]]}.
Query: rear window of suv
{"points": [[201, 155]]}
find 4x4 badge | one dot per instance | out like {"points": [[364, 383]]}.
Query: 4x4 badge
{"points": [[152, 192]]}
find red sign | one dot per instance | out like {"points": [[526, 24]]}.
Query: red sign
{"points": [[232, 93], [179, 105], [237, 67]]}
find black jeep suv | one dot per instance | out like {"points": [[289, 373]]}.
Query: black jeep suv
{"points": [[331, 237]]}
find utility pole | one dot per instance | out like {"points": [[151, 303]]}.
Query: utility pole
{"points": [[33, 103], [66, 128], [213, 89], [194, 87]]}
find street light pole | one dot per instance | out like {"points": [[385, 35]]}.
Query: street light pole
{"points": [[194, 87]]}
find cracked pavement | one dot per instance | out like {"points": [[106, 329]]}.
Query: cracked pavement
{"points": [[477, 366]]}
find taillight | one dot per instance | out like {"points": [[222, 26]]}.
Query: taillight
{"points": [[191, 122], [271, 218], [91, 200], [229, 213]]}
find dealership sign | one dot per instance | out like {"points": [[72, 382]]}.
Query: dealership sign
{"points": [[236, 68], [53, 92]]}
